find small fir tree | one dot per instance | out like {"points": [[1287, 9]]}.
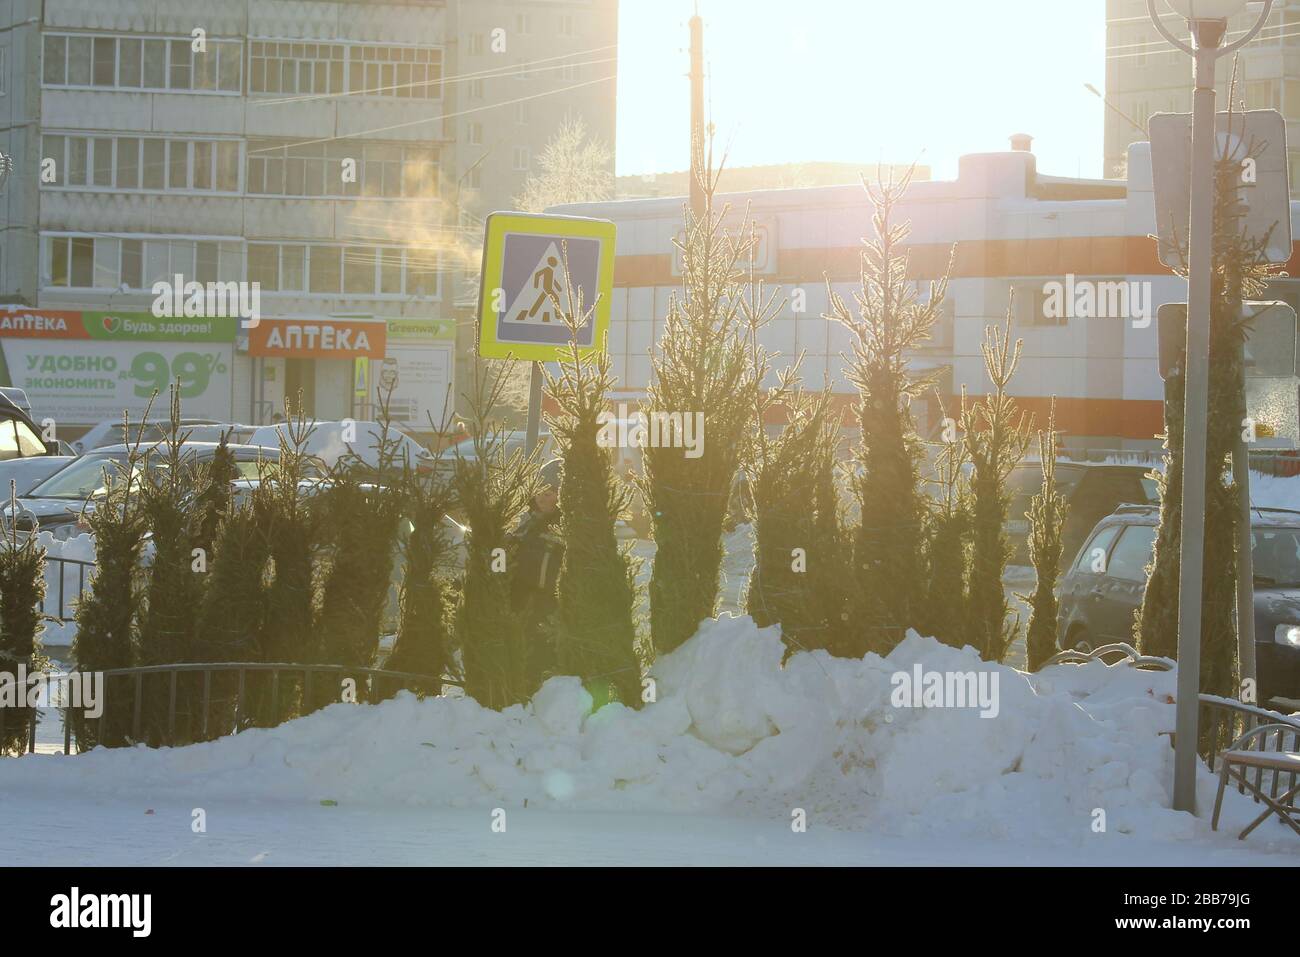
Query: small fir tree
{"points": [[428, 595], [107, 611], [22, 593], [492, 490], [800, 546], [891, 319], [701, 368], [595, 633], [360, 517], [948, 526], [996, 434], [1046, 516], [170, 494]]}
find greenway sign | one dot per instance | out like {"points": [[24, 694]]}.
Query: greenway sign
{"points": [[83, 367]]}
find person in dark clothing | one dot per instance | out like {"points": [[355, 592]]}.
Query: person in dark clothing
{"points": [[539, 551]]}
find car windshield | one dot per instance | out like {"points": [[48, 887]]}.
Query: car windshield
{"points": [[1276, 553], [82, 479]]}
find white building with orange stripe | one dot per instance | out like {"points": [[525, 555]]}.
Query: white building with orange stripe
{"points": [[1013, 228]]}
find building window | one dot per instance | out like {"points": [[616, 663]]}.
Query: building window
{"points": [[132, 268], [1264, 95], [299, 68], [71, 261], [521, 112], [205, 262], [264, 265], [476, 44], [568, 25], [141, 63], [359, 266], [295, 68], [323, 273], [293, 268], [523, 23], [521, 159], [317, 169], [153, 163], [103, 163], [476, 89], [476, 134], [334, 270]]}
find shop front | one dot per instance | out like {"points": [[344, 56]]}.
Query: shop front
{"points": [[315, 358]]}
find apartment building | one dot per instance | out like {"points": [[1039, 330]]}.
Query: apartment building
{"points": [[338, 153], [1145, 75]]}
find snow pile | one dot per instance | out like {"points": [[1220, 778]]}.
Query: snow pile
{"points": [[732, 731]]}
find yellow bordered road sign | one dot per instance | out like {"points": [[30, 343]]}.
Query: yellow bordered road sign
{"points": [[523, 273]]}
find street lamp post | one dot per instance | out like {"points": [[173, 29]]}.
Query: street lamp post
{"points": [[1208, 22]]}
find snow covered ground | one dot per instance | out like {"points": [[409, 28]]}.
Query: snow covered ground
{"points": [[735, 747]]}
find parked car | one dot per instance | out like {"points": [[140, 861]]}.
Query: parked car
{"points": [[18, 397], [327, 445], [511, 440], [113, 432], [27, 473], [1092, 490], [1103, 588], [57, 505]]}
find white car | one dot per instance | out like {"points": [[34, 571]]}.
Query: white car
{"points": [[327, 443], [111, 432]]}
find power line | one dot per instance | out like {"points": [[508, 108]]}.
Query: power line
{"points": [[1160, 46], [493, 73], [434, 119]]}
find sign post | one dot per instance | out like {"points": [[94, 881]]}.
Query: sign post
{"points": [[529, 263]]}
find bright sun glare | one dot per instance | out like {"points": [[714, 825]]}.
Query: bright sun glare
{"points": [[865, 81]]}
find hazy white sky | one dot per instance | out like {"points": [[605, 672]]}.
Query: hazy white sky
{"points": [[865, 81]]}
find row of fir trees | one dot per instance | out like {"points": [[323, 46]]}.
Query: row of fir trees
{"points": [[849, 554]]}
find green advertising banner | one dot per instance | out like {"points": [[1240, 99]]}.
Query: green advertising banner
{"points": [[143, 326]]}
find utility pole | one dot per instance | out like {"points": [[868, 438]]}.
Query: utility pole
{"points": [[697, 116], [1207, 20]]}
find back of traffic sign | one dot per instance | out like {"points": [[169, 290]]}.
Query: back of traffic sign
{"points": [[1254, 142], [535, 269]]}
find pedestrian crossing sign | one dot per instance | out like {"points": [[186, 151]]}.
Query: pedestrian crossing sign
{"points": [[524, 288]]}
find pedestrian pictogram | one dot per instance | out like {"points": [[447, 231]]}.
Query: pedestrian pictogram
{"points": [[536, 269], [546, 287]]}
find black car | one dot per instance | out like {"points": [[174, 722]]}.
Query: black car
{"points": [[1092, 490], [1103, 587], [57, 504]]}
